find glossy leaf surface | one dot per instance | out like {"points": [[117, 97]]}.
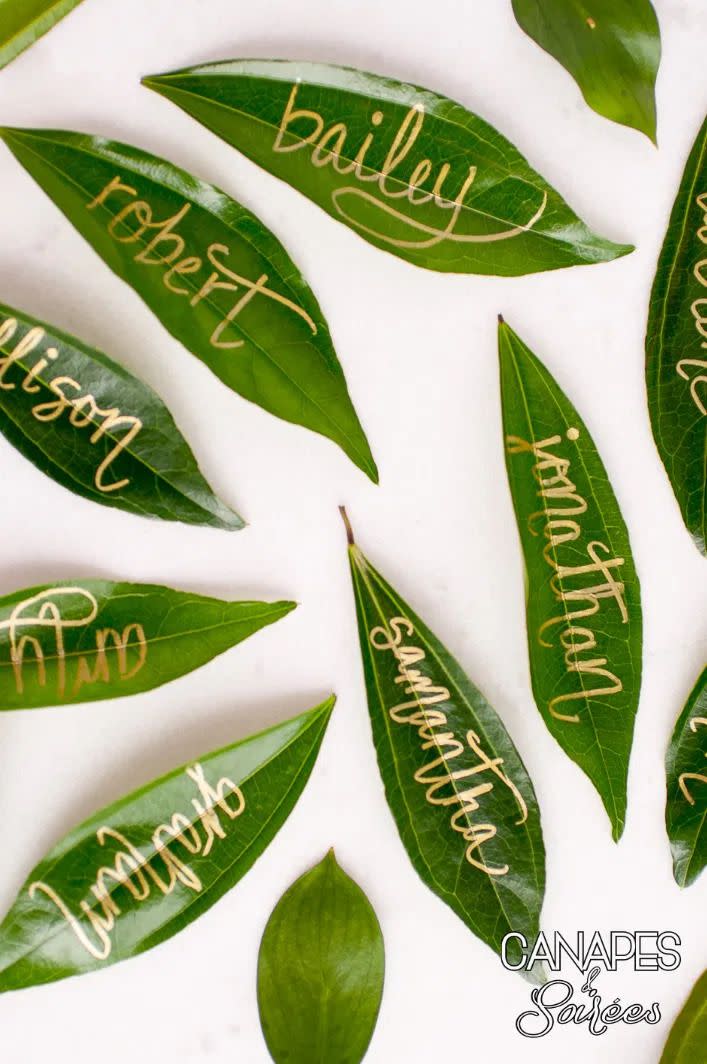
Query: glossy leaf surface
{"points": [[320, 970], [688, 1036], [583, 600], [686, 766], [676, 346], [411, 171], [22, 22], [93, 639], [610, 47], [461, 797], [144, 868], [97, 430], [218, 280]]}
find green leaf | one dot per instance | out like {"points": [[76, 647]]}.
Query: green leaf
{"points": [[461, 797], [147, 866], [687, 1039], [320, 970], [97, 430], [676, 346], [582, 592], [686, 769], [22, 22], [610, 47], [412, 172], [216, 278], [93, 639]]}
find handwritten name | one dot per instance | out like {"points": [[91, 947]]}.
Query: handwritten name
{"points": [[163, 247], [695, 369], [699, 777], [329, 147], [438, 775], [71, 398], [42, 613], [561, 504], [144, 875]]}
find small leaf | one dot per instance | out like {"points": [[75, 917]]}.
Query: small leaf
{"points": [[610, 47], [686, 766], [411, 171], [97, 430], [22, 22], [216, 278], [461, 797], [582, 592], [676, 346], [94, 639], [320, 970], [147, 866], [688, 1037]]}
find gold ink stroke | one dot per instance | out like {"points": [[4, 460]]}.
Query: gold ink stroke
{"points": [[141, 875], [71, 398], [328, 148], [694, 370], [695, 723], [161, 245], [433, 729], [36, 627], [562, 506]]}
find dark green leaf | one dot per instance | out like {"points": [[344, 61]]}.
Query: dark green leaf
{"points": [[22, 22], [461, 797], [209, 269], [146, 867], [320, 970], [97, 430], [686, 809], [688, 1037], [610, 47], [93, 639], [413, 172], [583, 596], [676, 346]]}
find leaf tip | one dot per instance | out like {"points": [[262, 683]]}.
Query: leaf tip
{"points": [[347, 525]]}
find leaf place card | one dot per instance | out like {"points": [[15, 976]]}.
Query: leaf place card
{"points": [[144, 868], [462, 800], [676, 346], [320, 970], [94, 639], [217, 279], [97, 430], [686, 769], [610, 47], [582, 593], [22, 22], [411, 171]]}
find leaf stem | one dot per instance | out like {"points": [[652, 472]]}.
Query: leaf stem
{"points": [[347, 524]]}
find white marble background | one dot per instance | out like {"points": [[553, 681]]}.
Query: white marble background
{"points": [[419, 353]]}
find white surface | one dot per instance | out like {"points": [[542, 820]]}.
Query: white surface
{"points": [[419, 354]]}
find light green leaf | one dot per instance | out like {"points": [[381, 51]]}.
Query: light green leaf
{"points": [[320, 970], [688, 1037]]}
